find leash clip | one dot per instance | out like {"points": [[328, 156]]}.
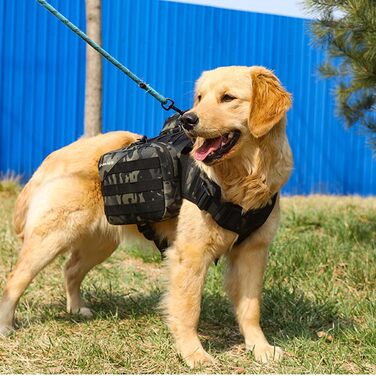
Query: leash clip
{"points": [[170, 105]]}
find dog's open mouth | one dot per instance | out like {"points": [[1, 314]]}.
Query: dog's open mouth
{"points": [[215, 148]]}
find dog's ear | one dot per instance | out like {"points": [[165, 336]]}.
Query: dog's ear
{"points": [[269, 102]]}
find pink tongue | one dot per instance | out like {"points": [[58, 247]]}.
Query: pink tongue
{"points": [[207, 147]]}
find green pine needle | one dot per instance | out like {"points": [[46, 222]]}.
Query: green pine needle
{"points": [[346, 29]]}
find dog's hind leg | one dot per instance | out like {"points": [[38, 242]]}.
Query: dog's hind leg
{"points": [[79, 264], [36, 253], [244, 280]]}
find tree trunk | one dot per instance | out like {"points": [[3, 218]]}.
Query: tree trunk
{"points": [[93, 89]]}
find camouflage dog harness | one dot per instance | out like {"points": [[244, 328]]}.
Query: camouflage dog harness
{"points": [[146, 182]]}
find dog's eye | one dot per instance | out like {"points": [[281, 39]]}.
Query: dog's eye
{"points": [[227, 98], [198, 98]]}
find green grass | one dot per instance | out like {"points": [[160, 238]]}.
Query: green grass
{"points": [[321, 278]]}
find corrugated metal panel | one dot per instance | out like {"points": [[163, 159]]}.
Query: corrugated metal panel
{"points": [[42, 83], [168, 44]]}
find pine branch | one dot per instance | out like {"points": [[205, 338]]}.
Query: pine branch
{"points": [[349, 38]]}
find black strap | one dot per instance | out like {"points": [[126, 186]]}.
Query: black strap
{"points": [[137, 208], [176, 137], [138, 164], [137, 187], [206, 194], [254, 219], [146, 230]]}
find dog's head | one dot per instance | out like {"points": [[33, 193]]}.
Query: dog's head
{"points": [[232, 105]]}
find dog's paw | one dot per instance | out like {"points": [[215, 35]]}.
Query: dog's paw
{"points": [[267, 353], [83, 311], [199, 358], [6, 330]]}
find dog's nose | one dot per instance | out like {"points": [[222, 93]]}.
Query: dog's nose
{"points": [[189, 120]]}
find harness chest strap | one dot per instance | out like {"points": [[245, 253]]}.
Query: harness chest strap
{"points": [[206, 194]]}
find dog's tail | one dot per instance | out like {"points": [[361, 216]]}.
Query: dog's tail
{"points": [[22, 207]]}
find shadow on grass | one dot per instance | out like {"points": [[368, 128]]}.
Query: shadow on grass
{"points": [[285, 315], [104, 304], [123, 306]]}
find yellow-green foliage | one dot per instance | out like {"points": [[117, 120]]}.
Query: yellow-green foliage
{"points": [[10, 184]]}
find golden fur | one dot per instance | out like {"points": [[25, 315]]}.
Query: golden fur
{"points": [[61, 209]]}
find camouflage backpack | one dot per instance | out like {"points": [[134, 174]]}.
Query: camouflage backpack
{"points": [[141, 183]]}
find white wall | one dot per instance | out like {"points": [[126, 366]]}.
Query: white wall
{"points": [[291, 8]]}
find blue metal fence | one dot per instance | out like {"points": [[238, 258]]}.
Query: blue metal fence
{"points": [[168, 44]]}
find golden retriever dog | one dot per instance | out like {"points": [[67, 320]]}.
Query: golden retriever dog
{"points": [[61, 209]]}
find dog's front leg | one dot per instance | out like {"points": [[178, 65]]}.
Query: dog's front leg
{"points": [[244, 281], [187, 264], [183, 301]]}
